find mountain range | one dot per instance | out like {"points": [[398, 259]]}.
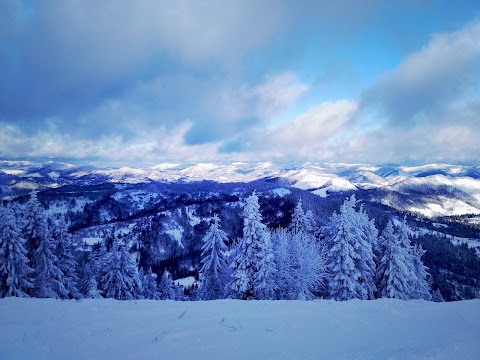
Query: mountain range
{"points": [[432, 190]]}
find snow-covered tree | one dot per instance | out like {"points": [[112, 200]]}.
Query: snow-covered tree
{"points": [[88, 285], [166, 287], [14, 269], [35, 227], [149, 283], [66, 261], [308, 267], [284, 260], [365, 240], [214, 272], [395, 273], [120, 278], [250, 252], [341, 257], [49, 279], [264, 278], [421, 287]]}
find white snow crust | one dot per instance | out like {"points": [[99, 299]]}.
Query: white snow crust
{"points": [[231, 329]]}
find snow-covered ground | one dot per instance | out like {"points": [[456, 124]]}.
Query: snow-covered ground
{"points": [[227, 329]]}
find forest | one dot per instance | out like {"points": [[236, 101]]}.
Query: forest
{"points": [[241, 245]]}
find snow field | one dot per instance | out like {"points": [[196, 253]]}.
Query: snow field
{"points": [[232, 329]]}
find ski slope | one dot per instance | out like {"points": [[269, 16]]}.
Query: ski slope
{"points": [[229, 329]]}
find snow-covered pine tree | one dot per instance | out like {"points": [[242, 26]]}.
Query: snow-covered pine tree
{"points": [[66, 261], [421, 288], [214, 272], [249, 251], [88, 285], [308, 270], [299, 219], [35, 226], [149, 283], [49, 279], [166, 287], [365, 240], [14, 269], [341, 256], [395, 276], [120, 278], [264, 279], [402, 231], [284, 260]]}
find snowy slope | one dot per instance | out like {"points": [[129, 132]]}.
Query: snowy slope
{"points": [[228, 329]]}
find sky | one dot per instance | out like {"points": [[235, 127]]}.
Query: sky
{"points": [[149, 81]]}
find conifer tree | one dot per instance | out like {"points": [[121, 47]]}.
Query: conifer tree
{"points": [[341, 256], [166, 287], [214, 272], [49, 279], [264, 279], [420, 288], [35, 225], [308, 270], [120, 278], [285, 261], [88, 283], [251, 250], [14, 269], [149, 284], [365, 241], [299, 219], [66, 261], [394, 272]]}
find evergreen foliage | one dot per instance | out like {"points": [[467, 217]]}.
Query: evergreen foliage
{"points": [[166, 287], [120, 278], [66, 261], [214, 272], [14, 269]]}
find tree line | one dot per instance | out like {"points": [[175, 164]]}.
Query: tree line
{"points": [[345, 259]]}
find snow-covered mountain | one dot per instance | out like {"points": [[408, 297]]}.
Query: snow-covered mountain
{"points": [[432, 190]]}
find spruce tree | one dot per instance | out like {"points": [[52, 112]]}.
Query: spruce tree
{"points": [[49, 279], [66, 261], [214, 272], [341, 256], [308, 270], [264, 279], [251, 253], [166, 287], [365, 241], [35, 225], [395, 275], [285, 261], [88, 282], [14, 269], [149, 284], [120, 278], [421, 287]]}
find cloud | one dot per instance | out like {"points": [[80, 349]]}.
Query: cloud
{"points": [[445, 69], [310, 135]]}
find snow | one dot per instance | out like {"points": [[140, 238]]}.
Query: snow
{"points": [[176, 234], [281, 192], [231, 329], [54, 175], [93, 240], [188, 281]]}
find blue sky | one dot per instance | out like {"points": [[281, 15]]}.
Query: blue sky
{"points": [[148, 81]]}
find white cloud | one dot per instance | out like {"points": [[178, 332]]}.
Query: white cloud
{"points": [[445, 69]]}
